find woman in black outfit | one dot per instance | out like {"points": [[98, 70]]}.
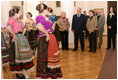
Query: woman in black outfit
{"points": [[112, 28]]}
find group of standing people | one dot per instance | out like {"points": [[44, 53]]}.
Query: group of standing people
{"points": [[90, 27], [83, 26]]}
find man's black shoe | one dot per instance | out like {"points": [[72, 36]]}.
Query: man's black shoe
{"points": [[75, 49]]}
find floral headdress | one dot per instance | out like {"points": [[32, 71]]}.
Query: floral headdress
{"points": [[11, 11], [42, 7]]}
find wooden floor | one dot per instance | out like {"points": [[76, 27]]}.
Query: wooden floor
{"points": [[75, 65]]}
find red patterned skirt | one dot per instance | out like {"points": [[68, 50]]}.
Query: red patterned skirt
{"points": [[48, 61]]}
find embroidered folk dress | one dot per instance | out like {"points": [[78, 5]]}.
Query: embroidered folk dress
{"points": [[48, 61], [21, 56]]}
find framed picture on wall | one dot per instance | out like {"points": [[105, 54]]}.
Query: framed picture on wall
{"points": [[58, 3], [16, 6], [99, 9], [74, 3]]}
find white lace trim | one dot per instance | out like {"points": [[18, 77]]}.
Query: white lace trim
{"points": [[52, 67], [56, 53], [4, 64], [3, 47], [5, 56]]}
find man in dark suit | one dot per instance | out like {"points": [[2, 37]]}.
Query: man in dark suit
{"points": [[78, 27], [86, 16]]}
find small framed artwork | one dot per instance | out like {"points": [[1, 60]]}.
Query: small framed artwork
{"points": [[17, 7], [58, 3], [74, 3]]}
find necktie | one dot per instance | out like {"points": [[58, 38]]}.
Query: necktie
{"points": [[78, 15]]}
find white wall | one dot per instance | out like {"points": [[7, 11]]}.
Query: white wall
{"points": [[5, 7], [65, 6], [15, 3], [30, 6]]}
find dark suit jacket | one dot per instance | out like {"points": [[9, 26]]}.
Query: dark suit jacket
{"points": [[112, 22], [79, 24], [86, 18]]}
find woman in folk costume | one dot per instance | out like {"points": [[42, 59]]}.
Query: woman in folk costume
{"points": [[21, 55], [48, 61], [4, 48], [29, 31]]}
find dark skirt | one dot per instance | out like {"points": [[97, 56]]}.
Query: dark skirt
{"points": [[4, 50], [31, 39], [42, 62], [57, 33], [18, 67]]}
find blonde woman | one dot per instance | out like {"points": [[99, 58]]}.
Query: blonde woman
{"points": [[64, 25]]}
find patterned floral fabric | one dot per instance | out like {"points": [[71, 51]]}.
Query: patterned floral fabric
{"points": [[18, 67], [53, 53], [42, 58], [46, 22], [16, 24], [23, 50]]}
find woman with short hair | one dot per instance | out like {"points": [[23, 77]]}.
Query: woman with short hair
{"points": [[64, 25], [92, 28]]}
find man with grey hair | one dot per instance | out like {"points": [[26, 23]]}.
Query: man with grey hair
{"points": [[78, 27], [100, 28]]}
